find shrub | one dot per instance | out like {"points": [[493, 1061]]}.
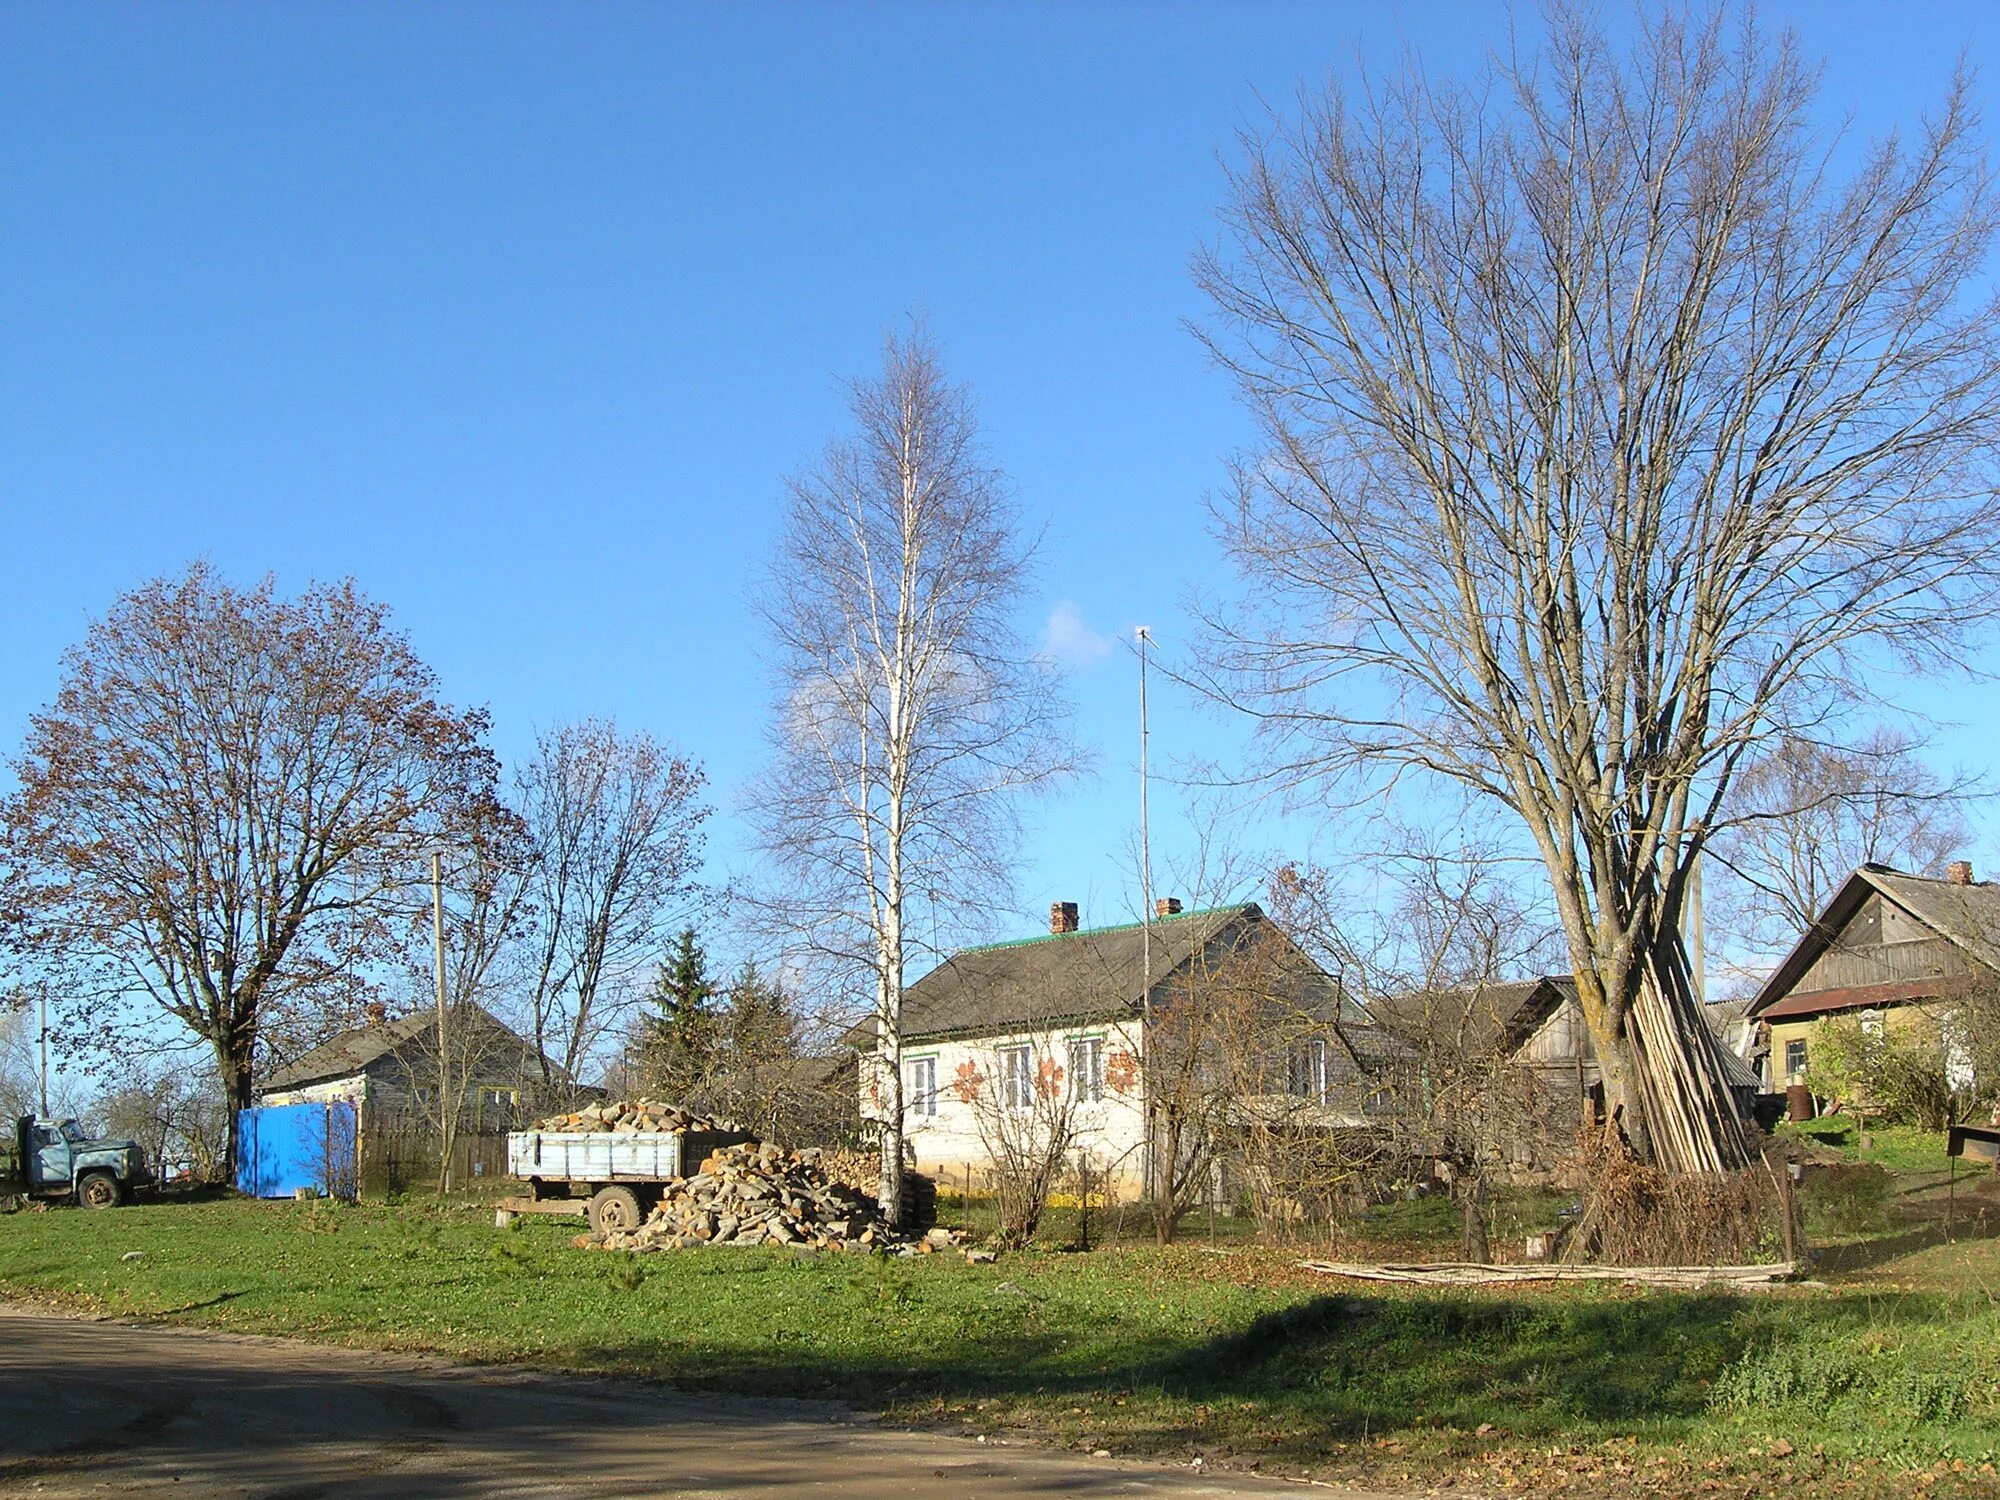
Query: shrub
{"points": [[1833, 1131], [1896, 1071]]}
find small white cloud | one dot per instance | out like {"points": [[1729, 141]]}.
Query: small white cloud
{"points": [[1068, 639]]}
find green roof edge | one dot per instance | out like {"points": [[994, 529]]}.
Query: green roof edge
{"points": [[1084, 932]]}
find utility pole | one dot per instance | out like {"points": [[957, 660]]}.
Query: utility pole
{"points": [[1144, 636], [42, 999], [437, 944]]}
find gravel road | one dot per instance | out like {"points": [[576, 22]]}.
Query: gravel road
{"points": [[94, 1408]]}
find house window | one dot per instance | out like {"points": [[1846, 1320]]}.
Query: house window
{"points": [[920, 1087], [1086, 1068], [1017, 1078], [1795, 1062], [1311, 1070]]}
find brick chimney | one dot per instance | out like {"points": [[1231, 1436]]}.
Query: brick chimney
{"points": [[1959, 872], [1167, 906], [1062, 916]]}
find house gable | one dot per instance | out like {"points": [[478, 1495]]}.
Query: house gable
{"points": [[394, 1054], [1885, 939]]}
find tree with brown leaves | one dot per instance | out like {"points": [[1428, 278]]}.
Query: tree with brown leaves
{"points": [[218, 813]]}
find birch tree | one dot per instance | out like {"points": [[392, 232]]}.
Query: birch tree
{"points": [[909, 709], [1616, 420]]}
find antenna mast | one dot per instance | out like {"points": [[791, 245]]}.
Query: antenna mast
{"points": [[1149, 1159], [1144, 638]]}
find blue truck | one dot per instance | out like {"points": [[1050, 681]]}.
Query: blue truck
{"points": [[42, 1158]]}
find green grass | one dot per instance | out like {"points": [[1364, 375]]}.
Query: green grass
{"points": [[1140, 1350], [1900, 1148], [1435, 1220]]}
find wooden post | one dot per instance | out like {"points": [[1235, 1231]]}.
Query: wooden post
{"points": [[1787, 1205], [1950, 1195]]}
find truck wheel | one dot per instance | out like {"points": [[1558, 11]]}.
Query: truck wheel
{"points": [[99, 1190], [615, 1210]]}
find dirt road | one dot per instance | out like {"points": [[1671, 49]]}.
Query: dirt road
{"points": [[94, 1408]]}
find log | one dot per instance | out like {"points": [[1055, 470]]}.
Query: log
{"points": [[1471, 1273]]}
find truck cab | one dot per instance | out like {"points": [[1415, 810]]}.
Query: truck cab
{"points": [[46, 1158]]}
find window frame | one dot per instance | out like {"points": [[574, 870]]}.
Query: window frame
{"points": [[1795, 1072], [1086, 1067], [1017, 1075], [920, 1103], [1309, 1070]]}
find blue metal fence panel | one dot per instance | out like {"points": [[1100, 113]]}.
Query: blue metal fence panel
{"points": [[281, 1148]]}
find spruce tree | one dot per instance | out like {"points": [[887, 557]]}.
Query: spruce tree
{"points": [[678, 1037]]}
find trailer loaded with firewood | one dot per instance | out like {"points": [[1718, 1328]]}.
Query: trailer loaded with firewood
{"points": [[610, 1162]]}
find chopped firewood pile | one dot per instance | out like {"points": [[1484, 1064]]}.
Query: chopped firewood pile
{"points": [[766, 1195], [633, 1117]]}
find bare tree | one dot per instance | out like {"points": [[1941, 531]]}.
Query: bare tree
{"points": [[1443, 978], [1610, 433], [910, 712], [226, 796], [1026, 1118], [177, 1116], [1806, 814], [483, 914], [614, 826]]}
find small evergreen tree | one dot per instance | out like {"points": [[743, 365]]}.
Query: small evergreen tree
{"points": [[675, 1051]]}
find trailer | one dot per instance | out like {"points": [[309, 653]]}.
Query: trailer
{"points": [[611, 1177]]}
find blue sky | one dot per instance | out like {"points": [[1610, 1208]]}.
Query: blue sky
{"points": [[521, 315]]}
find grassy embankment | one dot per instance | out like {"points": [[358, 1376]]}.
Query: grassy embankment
{"points": [[1230, 1354]]}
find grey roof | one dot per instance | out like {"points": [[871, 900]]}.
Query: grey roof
{"points": [[1479, 1016], [1737, 1073], [1726, 1012], [352, 1051], [1094, 974], [1967, 915]]}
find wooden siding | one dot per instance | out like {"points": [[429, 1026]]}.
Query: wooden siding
{"points": [[1847, 964]]}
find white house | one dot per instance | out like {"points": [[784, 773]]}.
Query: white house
{"points": [[1072, 1012]]}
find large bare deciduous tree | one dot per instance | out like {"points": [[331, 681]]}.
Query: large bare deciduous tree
{"points": [[614, 832], [1618, 420], [222, 806], [910, 711]]}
